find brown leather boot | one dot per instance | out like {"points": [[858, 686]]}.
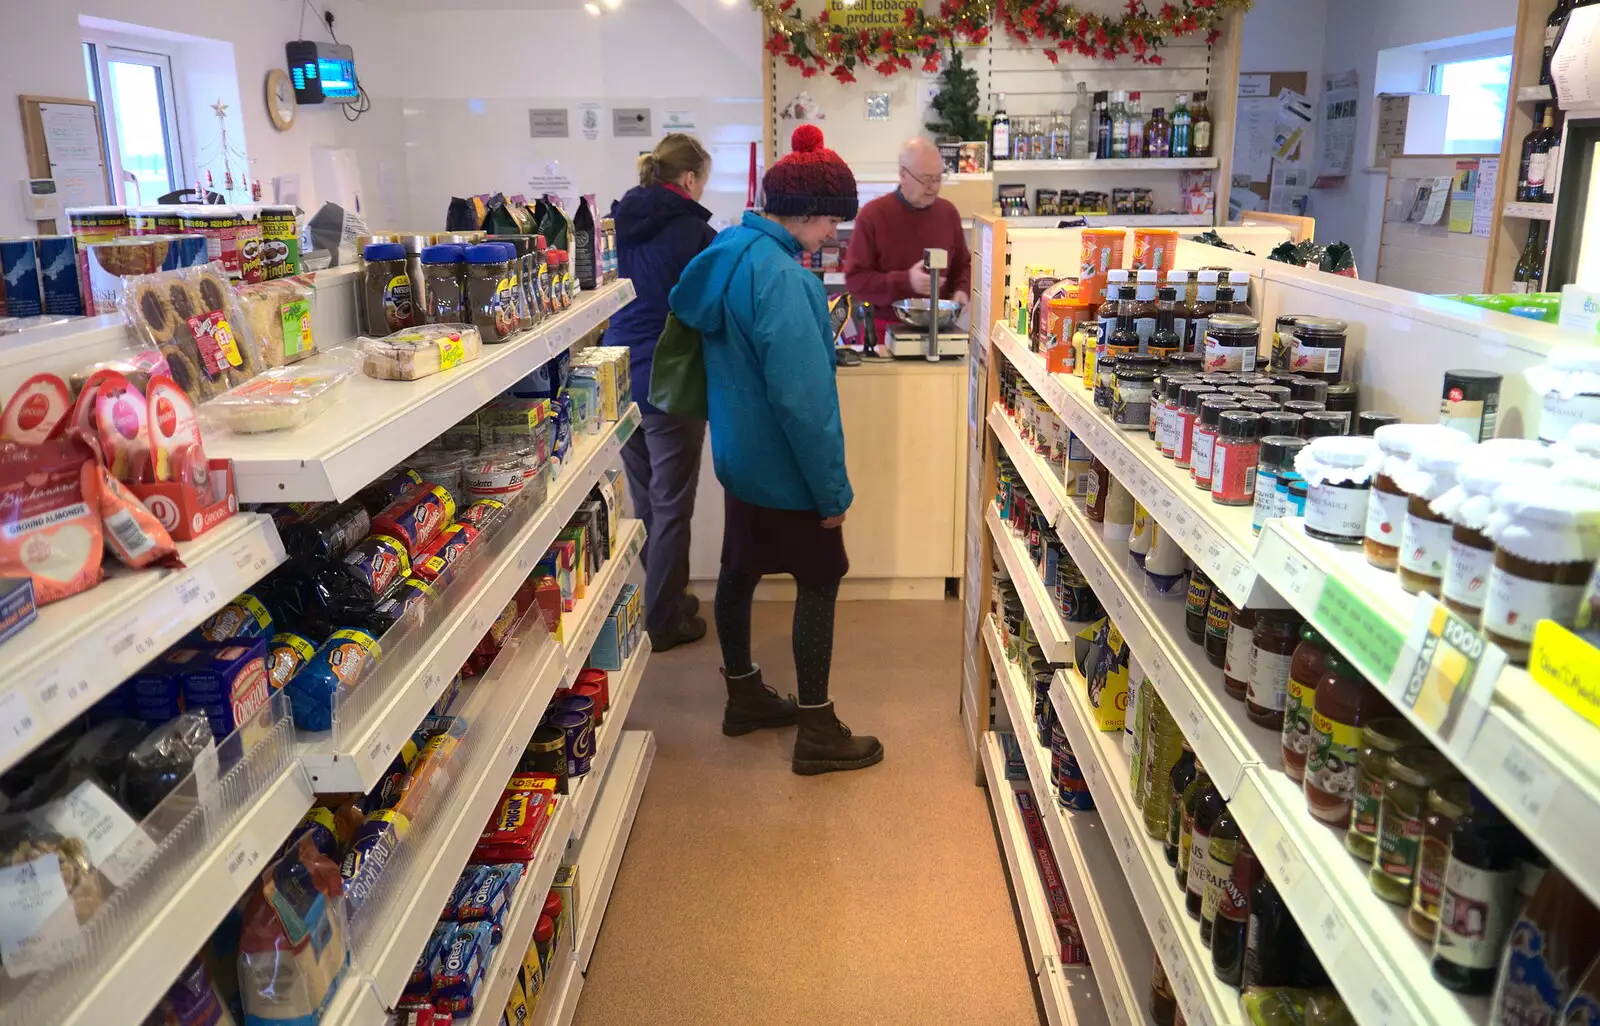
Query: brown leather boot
{"points": [[753, 706], [823, 744]]}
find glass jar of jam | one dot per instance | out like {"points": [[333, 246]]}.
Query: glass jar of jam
{"points": [[1234, 458], [1317, 348], [1306, 671], [1219, 615], [1231, 343], [1386, 508], [1272, 643], [1545, 545], [1425, 535], [1344, 701], [1338, 472], [1468, 506], [1196, 599], [1380, 738], [1204, 442], [1412, 771], [1239, 653], [1447, 802]]}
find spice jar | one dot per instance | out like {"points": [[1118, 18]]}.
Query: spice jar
{"points": [[494, 310], [1190, 395], [1380, 738], [1231, 343], [387, 300], [1344, 700], [1275, 458], [1569, 381], [1306, 670], [1272, 644], [1386, 510], [1308, 389], [1131, 390], [1153, 425], [1219, 616], [1204, 443], [1196, 599], [1322, 424], [1099, 481], [1166, 419], [445, 270], [1405, 793], [1239, 653], [1425, 536], [1317, 348], [1234, 457], [1338, 472], [1467, 507], [1369, 421], [1545, 546], [1280, 422], [1447, 802]]}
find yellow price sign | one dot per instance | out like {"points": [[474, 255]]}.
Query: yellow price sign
{"points": [[1568, 667], [1447, 672]]}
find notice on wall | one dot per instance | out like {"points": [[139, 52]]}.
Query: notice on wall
{"points": [[71, 134], [1483, 199], [1336, 129], [1253, 139], [1292, 118], [630, 121], [547, 122], [1576, 64], [677, 121], [1463, 196], [871, 15], [1255, 85], [589, 119], [1290, 187]]}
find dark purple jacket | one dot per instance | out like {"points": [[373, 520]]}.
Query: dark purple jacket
{"points": [[658, 232]]}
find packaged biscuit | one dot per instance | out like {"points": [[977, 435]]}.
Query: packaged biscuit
{"points": [[194, 319], [417, 516]]}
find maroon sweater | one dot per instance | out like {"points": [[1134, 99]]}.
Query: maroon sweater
{"points": [[890, 236]]}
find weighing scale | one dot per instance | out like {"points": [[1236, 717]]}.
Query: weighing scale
{"points": [[907, 340]]}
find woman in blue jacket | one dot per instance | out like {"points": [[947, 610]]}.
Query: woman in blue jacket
{"points": [[777, 442], [661, 226]]}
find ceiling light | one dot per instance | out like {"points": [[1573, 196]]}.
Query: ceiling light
{"points": [[593, 8], [612, 4]]}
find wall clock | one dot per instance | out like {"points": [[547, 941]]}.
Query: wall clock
{"points": [[281, 106]]}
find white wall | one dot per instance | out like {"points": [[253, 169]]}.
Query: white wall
{"points": [[1285, 35]]}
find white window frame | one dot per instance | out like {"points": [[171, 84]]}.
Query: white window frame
{"points": [[141, 51]]}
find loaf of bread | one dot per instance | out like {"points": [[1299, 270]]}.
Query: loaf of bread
{"points": [[413, 353]]}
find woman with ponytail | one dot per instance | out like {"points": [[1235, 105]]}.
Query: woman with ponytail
{"points": [[661, 226]]}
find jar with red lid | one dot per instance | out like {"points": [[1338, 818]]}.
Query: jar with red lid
{"points": [[1204, 442], [1234, 457], [1272, 643], [1238, 654], [1190, 395]]}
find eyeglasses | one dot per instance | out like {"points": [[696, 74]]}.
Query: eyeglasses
{"points": [[928, 180]]}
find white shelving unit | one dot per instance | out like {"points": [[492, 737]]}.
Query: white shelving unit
{"points": [[1113, 220], [353, 755], [1054, 636], [563, 985], [80, 648], [600, 848], [376, 424], [1002, 167], [1531, 211], [624, 688]]}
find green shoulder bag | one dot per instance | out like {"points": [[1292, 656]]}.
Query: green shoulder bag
{"points": [[678, 371]]}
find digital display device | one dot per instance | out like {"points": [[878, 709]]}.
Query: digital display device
{"points": [[322, 72]]}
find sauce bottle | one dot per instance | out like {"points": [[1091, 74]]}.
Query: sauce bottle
{"points": [[1223, 852], [1272, 939], [1182, 309], [1191, 796], [1240, 653], [1306, 670], [1146, 311], [1205, 304], [1229, 930], [1166, 747], [1208, 806], [1552, 941], [1344, 701], [1478, 900], [1183, 773], [1583, 1004], [1273, 642], [1447, 803], [1219, 616], [1196, 599]]}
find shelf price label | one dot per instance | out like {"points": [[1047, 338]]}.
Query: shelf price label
{"points": [[1356, 628], [63, 688], [1448, 677], [196, 591], [18, 722], [1532, 784]]}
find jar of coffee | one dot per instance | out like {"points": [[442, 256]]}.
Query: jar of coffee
{"points": [[388, 294], [489, 291], [444, 267]]}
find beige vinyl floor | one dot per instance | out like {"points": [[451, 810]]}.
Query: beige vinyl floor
{"points": [[749, 895]]}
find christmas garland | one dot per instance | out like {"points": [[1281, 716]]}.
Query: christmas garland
{"points": [[815, 45]]}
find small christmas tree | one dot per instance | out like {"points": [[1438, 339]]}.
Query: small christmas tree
{"points": [[957, 102]]}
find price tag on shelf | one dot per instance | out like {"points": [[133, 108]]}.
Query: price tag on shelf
{"points": [[1358, 630], [1332, 934], [1448, 673], [378, 751], [1290, 866], [1125, 846], [1383, 1006], [132, 641], [250, 557], [1214, 550], [63, 689], [1241, 575], [1296, 575], [244, 860], [18, 722], [1530, 783]]}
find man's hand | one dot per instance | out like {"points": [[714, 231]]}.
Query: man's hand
{"points": [[919, 279], [962, 299], [829, 523]]}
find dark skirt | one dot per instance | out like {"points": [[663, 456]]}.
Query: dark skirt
{"points": [[760, 541]]}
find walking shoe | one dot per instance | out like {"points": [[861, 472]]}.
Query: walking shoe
{"points": [[753, 706], [691, 603], [824, 745], [690, 628]]}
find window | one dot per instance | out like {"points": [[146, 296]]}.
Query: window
{"points": [[138, 117], [1477, 88]]}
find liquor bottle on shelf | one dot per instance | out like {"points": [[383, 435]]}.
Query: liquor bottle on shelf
{"points": [[1158, 134], [1552, 35], [1119, 124], [1036, 139], [1060, 143], [1102, 129], [1536, 157], [1135, 126], [1082, 132], [1529, 274], [1000, 131], [1182, 128], [1229, 932], [1200, 126]]}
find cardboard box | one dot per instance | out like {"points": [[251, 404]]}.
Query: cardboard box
{"points": [[227, 681], [566, 885]]}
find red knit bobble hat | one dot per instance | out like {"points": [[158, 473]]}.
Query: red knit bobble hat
{"points": [[810, 180]]}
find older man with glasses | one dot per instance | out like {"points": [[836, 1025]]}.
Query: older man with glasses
{"points": [[884, 262]]}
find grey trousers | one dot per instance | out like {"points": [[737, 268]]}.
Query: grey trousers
{"points": [[663, 464]]}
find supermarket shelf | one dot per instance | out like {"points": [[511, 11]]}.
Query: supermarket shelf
{"points": [[1113, 220], [1054, 635], [1203, 999], [419, 878], [1531, 211], [1218, 538], [376, 424], [586, 789], [352, 756], [526, 905], [1532, 755], [1049, 492], [1068, 992], [80, 648], [582, 624], [1533, 94], [1002, 167], [599, 853], [563, 985], [1120, 950]]}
